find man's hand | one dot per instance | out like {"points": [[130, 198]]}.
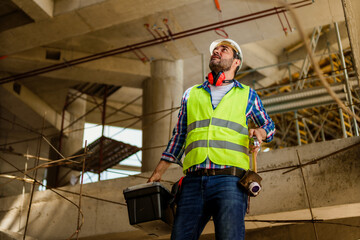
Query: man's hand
{"points": [[155, 177], [159, 171], [260, 135]]}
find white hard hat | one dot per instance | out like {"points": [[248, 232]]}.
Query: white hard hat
{"points": [[229, 42]]}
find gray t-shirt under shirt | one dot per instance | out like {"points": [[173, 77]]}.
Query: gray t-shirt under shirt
{"points": [[217, 93]]}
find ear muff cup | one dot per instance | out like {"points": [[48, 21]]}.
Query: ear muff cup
{"points": [[216, 79]]}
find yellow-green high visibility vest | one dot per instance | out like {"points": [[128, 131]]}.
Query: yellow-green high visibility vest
{"points": [[220, 134]]}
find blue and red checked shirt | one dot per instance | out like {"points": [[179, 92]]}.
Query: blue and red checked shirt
{"points": [[176, 146]]}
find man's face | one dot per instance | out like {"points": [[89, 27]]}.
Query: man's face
{"points": [[221, 59]]}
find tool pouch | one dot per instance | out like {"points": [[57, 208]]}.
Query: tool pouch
{"points": [[247, 180]]}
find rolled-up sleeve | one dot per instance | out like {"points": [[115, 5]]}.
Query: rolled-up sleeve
{"points": [[258, 114]]}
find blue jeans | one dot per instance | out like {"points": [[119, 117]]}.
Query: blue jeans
{"points": [[205, 196]]}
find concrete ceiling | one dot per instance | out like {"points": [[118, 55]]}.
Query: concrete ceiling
{"points": [[80, 28], [12, 16]]}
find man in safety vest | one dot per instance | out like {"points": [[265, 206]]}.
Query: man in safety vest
{"points": [[212, 131]]}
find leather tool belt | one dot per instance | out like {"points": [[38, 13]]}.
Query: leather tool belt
{"points": [[234, 171]]}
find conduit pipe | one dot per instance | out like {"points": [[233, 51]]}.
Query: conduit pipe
{"points": [[300, 95], [156, 41], [304, 103]]}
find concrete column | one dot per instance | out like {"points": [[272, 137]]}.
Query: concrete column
{"points": [[352, 20], [71, 141], [162, 91]]}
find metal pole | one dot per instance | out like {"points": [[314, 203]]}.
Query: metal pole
{"points": [[297, 128], [347, 85], [103, 118], [343, 128], [290, 77], [323, 134], [342, 123]]}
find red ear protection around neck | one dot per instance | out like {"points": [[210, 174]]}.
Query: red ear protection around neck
{"points": [[216, 79]]}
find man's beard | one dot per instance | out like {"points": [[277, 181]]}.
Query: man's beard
{"points": [[222, 65]]}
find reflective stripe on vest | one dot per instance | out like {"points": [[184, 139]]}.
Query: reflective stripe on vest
{"points": [[216, 144], [218, 122], [220, 134]]}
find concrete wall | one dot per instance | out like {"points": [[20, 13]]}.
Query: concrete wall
{"points": [[335, 229], [332, 185], [11, 132], [328, 230]]}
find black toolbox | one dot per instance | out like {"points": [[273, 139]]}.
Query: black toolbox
{"points": [[149, 208]]}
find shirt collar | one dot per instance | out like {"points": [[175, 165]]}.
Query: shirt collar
{"points": [[206, 84]]}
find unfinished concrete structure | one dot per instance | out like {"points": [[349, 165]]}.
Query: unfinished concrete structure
{"points": [[61, 61]]}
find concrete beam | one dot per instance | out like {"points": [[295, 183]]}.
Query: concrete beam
{"points": [[13, 100], [83, 20], [110, 70], [268, 81], [36, 9], [256, 56], [331, 184], [127, 168]]}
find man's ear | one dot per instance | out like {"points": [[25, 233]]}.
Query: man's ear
{"points": [[237, 62]]}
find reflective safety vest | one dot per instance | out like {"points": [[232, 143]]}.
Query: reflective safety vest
{"points": [[220, 134]]}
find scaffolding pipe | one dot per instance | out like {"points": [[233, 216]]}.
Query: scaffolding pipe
{"points": [[343, 128], [323, 134], [342, 123], [297, 128], [290, 78], [103, 121], [347, 85]]}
